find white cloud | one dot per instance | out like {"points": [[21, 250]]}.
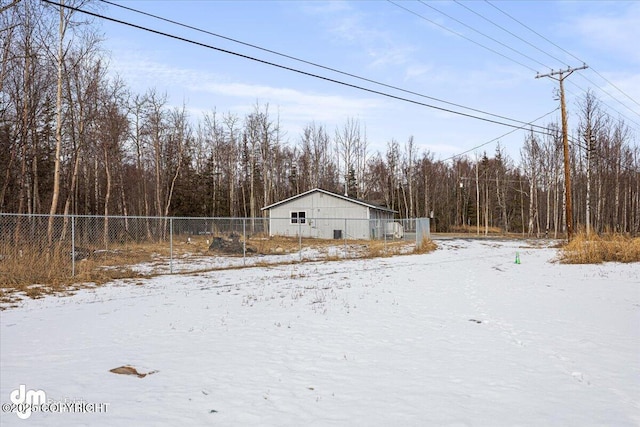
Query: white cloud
{"points": [[418, 71], [346, 25], [204, 91], [611, 33], [390, 55], [629, 83], [298, 102], [319, 8], [149, 73]]}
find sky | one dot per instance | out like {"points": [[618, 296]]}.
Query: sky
{"points": [[450, 55]]}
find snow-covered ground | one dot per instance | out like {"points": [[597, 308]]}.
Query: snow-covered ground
{"points": [[463, 336], [192, 262]]}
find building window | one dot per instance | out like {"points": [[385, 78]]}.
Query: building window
{"points": [[298, 217]]}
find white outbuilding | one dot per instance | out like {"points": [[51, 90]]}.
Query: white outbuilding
{"points": [[322, 214]]}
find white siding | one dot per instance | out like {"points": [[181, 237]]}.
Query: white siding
{"points": [[326, 216]]}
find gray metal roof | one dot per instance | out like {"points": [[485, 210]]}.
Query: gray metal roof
{"points": [[340, 196]]}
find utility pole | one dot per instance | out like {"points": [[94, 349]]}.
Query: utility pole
{"points": [[563, 74]]}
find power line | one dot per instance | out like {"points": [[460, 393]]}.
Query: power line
{"points": [[532, 30], [307, 62], [602, 102], [508, 47], [576, 143], [483, 34], [501, 136], [503, 44], [546, 53], [612, 97], [562, 49], [459, 35], [617, 88], [545, 132], [507, 31], [306, 73], [573, 142]]}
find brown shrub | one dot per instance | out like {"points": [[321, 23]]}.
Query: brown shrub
{"points": [[427, 245], [35, 272], [473, 229], [595, 249]]}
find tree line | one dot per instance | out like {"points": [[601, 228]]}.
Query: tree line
{"points": [[76, 140]]}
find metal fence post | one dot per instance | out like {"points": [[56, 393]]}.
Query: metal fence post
{"points": [[171, 245], [385, 227], [345, 238], [300, 238], [73, 246], [244, 241]]}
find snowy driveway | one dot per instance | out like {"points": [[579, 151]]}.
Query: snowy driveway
{"points": [[462, 336]]}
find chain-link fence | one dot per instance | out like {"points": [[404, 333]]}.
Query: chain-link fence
{"points": [[118, 246]]}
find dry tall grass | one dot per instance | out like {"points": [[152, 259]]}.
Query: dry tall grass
{"points": [[473, 229], [596, 249], [379, 249], [35, 272], [31, 266], [427, 245]]}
